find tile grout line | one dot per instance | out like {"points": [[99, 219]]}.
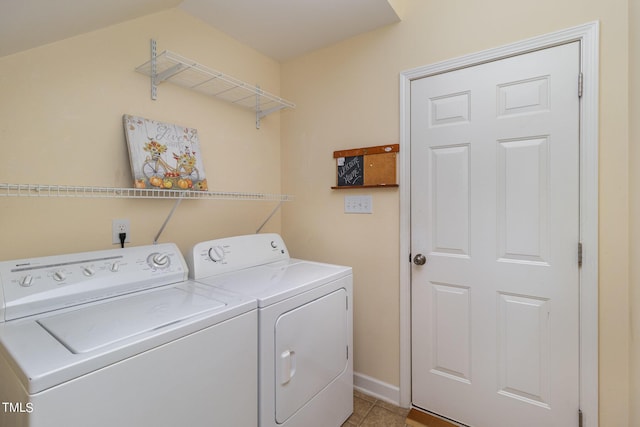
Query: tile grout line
{"points": [[364, 416], [371, 408], [380, 404]]}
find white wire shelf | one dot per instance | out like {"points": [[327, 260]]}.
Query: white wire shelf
{"points": [[38, 190], [174, 68]]}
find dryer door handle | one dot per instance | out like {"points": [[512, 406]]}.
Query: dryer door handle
{"points": [[287, 366]]}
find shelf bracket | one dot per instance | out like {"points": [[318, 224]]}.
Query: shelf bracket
{"points": [[273, 212], [258, 115], [175, 206], [154, 70], [160, 77], [166, 221], [269, 111]]}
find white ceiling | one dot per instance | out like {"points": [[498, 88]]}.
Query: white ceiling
{"points": [[281, 29]]}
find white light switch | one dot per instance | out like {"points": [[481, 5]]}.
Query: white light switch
{"points": [[358, 204]]}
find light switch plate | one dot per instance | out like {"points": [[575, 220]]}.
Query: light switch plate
{"points": [[358, 204]]}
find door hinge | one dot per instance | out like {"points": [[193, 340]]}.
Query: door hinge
{"points": [[579, 418], [580, 84], [579, 254]]}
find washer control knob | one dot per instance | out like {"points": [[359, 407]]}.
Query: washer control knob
{"points": [[159, 260], [26, 281], [274, 245], [59, 276], [216, 253], [115, 267], [88, 271]]}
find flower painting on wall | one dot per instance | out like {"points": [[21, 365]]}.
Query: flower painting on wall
{"points": [[163, 155]]}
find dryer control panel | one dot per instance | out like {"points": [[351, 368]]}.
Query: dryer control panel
{"points": [[37, 285], [235, 253]]}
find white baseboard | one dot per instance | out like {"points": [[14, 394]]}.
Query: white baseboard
{"points": [[376, 388]]}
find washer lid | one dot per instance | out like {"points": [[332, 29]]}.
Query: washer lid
{"points": [[97, 326]]}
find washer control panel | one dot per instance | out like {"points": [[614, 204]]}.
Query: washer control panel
{"points": [[234, 253], [36, 285]]}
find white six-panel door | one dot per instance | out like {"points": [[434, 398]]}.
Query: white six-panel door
{"points": [[495, 213]]}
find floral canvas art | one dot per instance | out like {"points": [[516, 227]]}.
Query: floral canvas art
{"points": [[163, 155]]}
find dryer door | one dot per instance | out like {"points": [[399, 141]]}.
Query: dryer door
{"points": [[311, 351]]}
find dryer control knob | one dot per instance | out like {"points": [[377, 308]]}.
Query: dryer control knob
{"points": [[59, 276], [88, 271], [216, 253], [115, 266]]}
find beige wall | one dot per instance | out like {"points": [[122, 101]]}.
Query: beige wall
{"points": [[634, 199], [347, 96], [61, 123]]}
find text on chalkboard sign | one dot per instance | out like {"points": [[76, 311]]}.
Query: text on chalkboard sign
{"points": [[350, 171]]}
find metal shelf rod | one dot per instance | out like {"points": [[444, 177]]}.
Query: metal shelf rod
{"points": [[39, 190]]}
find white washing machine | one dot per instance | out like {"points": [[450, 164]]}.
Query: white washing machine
{"points": [[122, 338], [305, 326]]}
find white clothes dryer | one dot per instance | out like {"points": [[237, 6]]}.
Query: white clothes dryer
{"points": [[121, 338], [305, 326]]}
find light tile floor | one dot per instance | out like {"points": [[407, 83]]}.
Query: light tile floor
{"points": [[371, 412]]}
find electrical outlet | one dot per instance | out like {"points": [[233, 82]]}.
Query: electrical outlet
{"points": [[120, 226]]}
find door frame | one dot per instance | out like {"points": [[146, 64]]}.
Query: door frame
{"points": [[588, 36]]}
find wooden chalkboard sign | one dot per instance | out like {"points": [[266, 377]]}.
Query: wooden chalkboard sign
{"points": [[366, 167], [350, 170]]}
